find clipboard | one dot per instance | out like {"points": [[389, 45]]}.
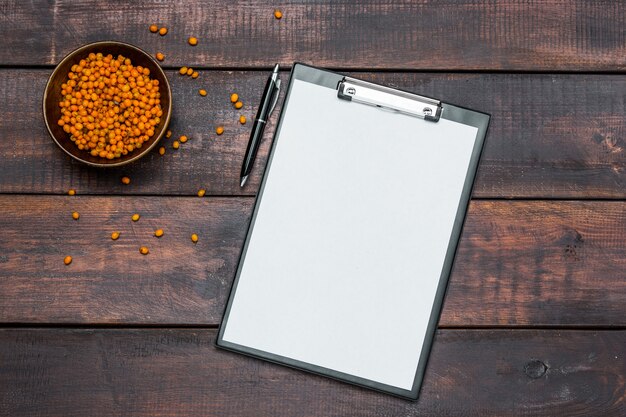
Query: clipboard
{"points": [[352, 239]]}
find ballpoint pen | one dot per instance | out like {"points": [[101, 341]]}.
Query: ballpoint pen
{"points": [[268, 102]]}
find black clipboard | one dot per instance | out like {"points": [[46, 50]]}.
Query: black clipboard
{"points": [[353, 92]]}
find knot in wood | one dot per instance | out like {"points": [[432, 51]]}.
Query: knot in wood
{"points": [[535, 369]]}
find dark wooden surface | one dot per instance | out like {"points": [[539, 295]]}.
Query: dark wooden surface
{"points": [[551, 135], [176, 372], [512, 269], [449, 35], [534, 318]]}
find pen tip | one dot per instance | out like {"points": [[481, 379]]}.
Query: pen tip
{"points": [[243, 181]]}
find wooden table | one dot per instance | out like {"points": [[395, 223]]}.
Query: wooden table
{"points": [[535, 316]]}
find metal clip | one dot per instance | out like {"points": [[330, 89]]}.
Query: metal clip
{"points": [[275, 98], [388, 98]]}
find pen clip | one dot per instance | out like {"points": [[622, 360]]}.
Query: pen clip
{"points": [[275, 98]]}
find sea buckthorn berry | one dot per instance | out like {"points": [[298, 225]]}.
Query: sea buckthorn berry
{"points": [[195, 74], [182, 70], [160, 56], [163, 31], [202, 92], [71, 191], [238, 105], [125, 180], [219, 130], [168, 134], [242, 120], [75, 215], [109, 106], [162, 150], [183, 139], [189, 71], [278, 14], [158, 232], [154, 28], [67, 260], [144, 250], [192, 41], [175, 144], [115, 235], [201, 192], [194, 238], [135, 217], [234, 97]]}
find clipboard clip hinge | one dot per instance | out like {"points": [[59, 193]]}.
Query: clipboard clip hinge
{"points": [[364, 92]]}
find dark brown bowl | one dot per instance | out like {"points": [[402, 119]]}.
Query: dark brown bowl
{"points": [[52, 97]]}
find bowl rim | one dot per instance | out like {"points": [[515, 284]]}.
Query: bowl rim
{"points": [[168, 111]]}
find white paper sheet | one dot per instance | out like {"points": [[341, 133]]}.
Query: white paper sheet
{"points": [[350, 237]]}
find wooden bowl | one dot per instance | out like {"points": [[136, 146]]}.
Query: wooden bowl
{"points": [[52, 97]]}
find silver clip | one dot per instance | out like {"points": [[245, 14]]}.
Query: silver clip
{"points": [[388, 98], [276, 97]]}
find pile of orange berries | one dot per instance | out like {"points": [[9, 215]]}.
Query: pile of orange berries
{"points": [[110, 107]]}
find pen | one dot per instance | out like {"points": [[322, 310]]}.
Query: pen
{"points": [[268, 102]]}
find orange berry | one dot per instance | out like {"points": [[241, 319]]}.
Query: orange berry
{"points": [[278, 14], [163, 31], [195, 74], [154, 28], [75, 215], [219, 130], [162, 150], [242, 119], [67, 260], [158, 232], [143, 250], [125, 180], [234, 97], [202, 92], [183, 139], [135, 217], [96, 83], [115, 235], [160, 56], [238, 105], [71, 192], [192, 41], [201, 192], [194, 238], [175, 144]]}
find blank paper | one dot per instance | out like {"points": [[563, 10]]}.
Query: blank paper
{"points": [[349, 240]]}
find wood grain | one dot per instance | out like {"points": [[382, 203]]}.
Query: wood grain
{"points": [[551, 136], [523, 263], [528, 263], [110, 281], [450, 35], [159, 372], [537, 263]]}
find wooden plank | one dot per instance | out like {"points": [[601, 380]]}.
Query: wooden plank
{"points": [[540, 263], [551, 136], [523, 263], [465, 35], [159, 372], [33, 163], [110, 281]]}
